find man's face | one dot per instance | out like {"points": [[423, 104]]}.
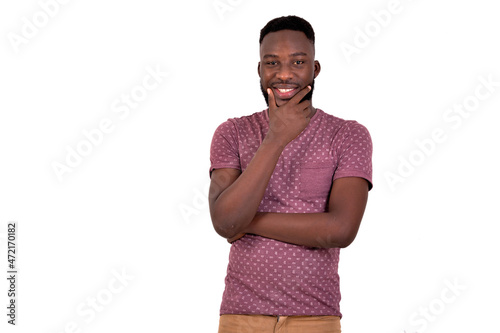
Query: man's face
{"points": [[287, 65]]}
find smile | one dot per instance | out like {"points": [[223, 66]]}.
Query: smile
{"points": [[285, 92]]}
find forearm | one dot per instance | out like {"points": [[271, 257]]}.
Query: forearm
{"points": [[336, 228], [235, 207], [323, 230]]}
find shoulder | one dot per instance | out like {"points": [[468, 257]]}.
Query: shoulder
{"points": [[243, 124], [255, 119], [341, 127], [354, 129]]}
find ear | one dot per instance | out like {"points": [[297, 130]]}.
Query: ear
{"points": [[258, 68], [317, 68]]}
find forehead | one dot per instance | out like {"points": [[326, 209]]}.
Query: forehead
{"points": [[285, 42]]}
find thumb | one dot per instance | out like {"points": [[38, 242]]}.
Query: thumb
{"points": [[270, 99]]}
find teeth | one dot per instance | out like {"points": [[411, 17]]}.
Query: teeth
{"points": [[285, 90]]}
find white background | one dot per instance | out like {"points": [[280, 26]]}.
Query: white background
{"points": [[136, 204]]}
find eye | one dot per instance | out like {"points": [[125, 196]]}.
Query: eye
{"points": [[272, 62], [298, 62]]}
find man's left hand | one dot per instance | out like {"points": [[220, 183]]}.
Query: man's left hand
{"points": [[235, 238]]}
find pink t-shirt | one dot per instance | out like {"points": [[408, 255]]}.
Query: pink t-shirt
{"points": [[270, 277]]}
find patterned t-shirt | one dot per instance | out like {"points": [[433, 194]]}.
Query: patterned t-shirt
{"points": [[270, 277]]}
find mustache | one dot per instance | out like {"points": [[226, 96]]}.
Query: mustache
{"points": [[285, 82]]}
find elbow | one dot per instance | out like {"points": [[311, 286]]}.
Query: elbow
{"points": [[341, 235], [340, 242], [336, 240], [225, 227], [224, 230], [347, 237], [346, 241], [226, 224], [222, 226], [222, 221]]}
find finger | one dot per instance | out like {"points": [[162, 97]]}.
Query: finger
{"points": [[310, 113], [301, 94], [304, 105], [235, 238], [306, 108], [270, 98]]}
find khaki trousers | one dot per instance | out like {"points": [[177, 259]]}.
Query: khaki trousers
{"points": [[278, 324]]}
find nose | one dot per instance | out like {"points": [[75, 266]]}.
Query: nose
{"points": [[284, 73]]}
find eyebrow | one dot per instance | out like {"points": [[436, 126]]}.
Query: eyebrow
{"points": [[296, 54]]}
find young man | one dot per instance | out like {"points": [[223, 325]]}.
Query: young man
{"points": [[289, 186]]}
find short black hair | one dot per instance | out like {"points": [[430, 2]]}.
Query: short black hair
{"points": [[291, 22]]}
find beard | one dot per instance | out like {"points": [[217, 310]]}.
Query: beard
{"points": [[307, 97]]}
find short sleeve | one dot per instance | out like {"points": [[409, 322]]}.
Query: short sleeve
{"points": [[224, 148], [354, 152]]}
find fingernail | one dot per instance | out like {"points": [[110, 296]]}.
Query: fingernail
{"points": [[268, 90]]}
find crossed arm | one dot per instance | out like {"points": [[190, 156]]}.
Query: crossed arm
{"points": [[235, 196]]}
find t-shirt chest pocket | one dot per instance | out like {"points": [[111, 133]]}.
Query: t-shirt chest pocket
{"points": [[315, 180]]}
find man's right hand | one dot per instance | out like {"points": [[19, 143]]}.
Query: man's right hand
{"points": [[287, 121], [234, 195]]}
